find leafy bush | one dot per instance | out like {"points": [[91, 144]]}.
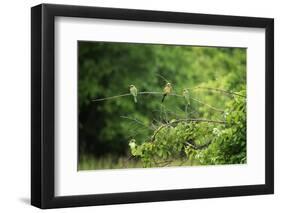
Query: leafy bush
{"points": [[206, 142]]}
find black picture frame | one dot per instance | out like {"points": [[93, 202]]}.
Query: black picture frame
{"points": [[43, 102]]}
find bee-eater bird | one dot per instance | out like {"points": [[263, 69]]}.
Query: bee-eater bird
{"points": [[167, 90], [186, 96], [134, 92]]}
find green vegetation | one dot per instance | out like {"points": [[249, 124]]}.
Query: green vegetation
{"points": [[202, 121]]}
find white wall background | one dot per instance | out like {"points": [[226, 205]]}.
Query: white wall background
{"points": [[15, 105]]}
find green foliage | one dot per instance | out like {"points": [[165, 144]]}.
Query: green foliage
{"points": [[108, 69], [206, 142], [228, 144]]}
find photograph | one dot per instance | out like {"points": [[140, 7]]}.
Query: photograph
{"points": [[139, 105], [160, 105]]}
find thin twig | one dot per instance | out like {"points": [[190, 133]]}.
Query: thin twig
{"points": [[199, 120], [208, 105], [162, 77], [112, 97], [170, 112], [218, 90], [137, 121], [133, 132]]}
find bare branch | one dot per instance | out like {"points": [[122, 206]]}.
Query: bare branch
{"points": [[112, 97], [157, 93], [139, 93]]}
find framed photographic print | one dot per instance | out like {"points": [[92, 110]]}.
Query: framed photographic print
{"points": [[139, 106]]}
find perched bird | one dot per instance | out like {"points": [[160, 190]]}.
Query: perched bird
{"points": [[134, 92], [186, 96], [132, 143], [167, 90]]}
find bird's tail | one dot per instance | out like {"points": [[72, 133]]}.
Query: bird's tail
{"points": [[135, 99], [164, 97]]}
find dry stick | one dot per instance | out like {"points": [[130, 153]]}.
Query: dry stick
{"points": [[156, 93]]}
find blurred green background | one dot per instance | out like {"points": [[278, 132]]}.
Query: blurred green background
{"points": [[108, 69]]}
